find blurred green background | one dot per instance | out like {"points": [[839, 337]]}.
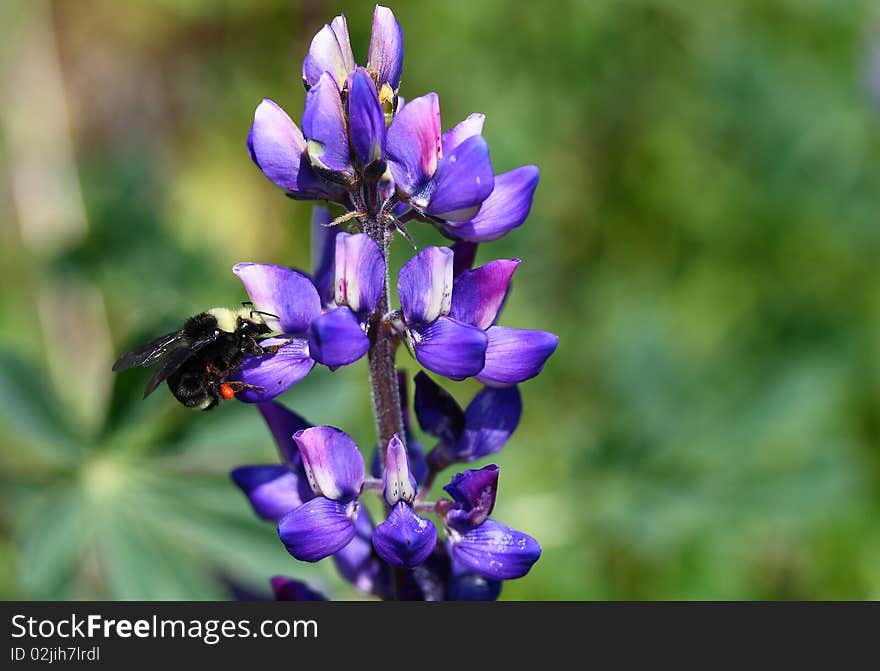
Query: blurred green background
{"points": [[704, 240]]}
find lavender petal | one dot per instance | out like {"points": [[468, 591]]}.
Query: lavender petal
{"points": [[404, 539], [318, 528], [337, 338], [515, 355]]}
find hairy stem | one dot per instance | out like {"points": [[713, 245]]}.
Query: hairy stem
{"points": [[383, 372]]}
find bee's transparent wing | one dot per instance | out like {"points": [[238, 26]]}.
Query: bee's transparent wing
{"points": [[149, 352], [174, 361]]}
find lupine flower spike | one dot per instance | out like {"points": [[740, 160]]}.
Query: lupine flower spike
{"points": [[382, 162]]}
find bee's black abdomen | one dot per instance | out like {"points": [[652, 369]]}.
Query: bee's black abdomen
{"points": [[191, 388]]}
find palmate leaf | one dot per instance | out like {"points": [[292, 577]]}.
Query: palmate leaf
{"points": [[51, 533], [30, 413]]}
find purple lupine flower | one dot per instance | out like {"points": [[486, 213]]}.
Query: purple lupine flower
{"points": [[478, 542], [450, 322], [335, 471], [442, 344], [404, 538], [483, 428], [290, 299], [288, 589], [331, 52], [448, 179], [317, 162], [338, 338]]}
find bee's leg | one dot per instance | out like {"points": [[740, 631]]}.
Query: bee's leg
{"points": [[271, 349], [238, 386]]}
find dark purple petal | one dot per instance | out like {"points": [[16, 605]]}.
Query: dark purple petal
{"points": [[495, 551], [464, 254], [318, 528], [471, 126], [360, 273], [272, 490], [464, 179], [448, 347], [385, 56], [404, 539], [506, 207], [366, 119], [464, 585], [515, 355], [278, 148], [358, 563], [323, 124], [477, 294], [274, 373], [398, 484], [281, 292], [425, 285], [323, 253], [438, 413], [413, 144], [332, 461], [283, 423], [288, 589], [490, 419], [337, 338], [474, 490], [330, 51]]}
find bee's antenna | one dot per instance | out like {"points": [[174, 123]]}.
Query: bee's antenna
{"points": [[265, 314]]}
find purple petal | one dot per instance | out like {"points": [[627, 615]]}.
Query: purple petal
{"points": [[330, 51], [398, 484], [318, 528], [450, 348], [274, 373], [404, 539], [464, 179], [506, 207], [438, 413], [471, 126], [272, 490], [477, 295], [385, 56], [474, 490], [323, 123], [288, 589], [490, 419], [464, 254], [365, 118], [413, 145], [283, 423], [333, 464], [464, 585], [360, 272], [425, 285], [495, 551], [285, 293], [359, 564], [515, 355], [337, 338], [323, 253], [278, 148]]}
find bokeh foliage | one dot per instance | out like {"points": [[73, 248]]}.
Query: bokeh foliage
{"points": [[704, 240]]}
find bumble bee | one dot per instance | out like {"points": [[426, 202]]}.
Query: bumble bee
{"points": [[197, 358]]}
